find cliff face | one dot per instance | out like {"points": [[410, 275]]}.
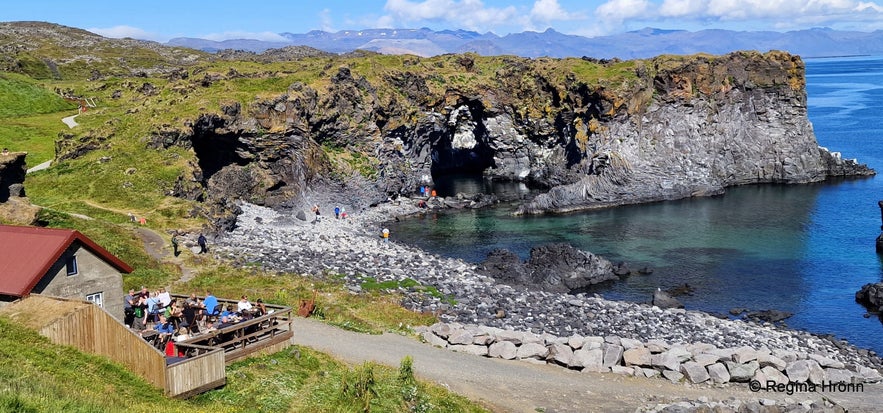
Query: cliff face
{"points": [[673, 127]]}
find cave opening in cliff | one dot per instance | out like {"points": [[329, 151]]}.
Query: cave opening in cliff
{"points": [[216, 151]]}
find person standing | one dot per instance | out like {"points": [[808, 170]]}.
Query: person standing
{"points": [[385, 234], [129, 308], [316, 211], [202, 244], [175, 244], [337, 212]]}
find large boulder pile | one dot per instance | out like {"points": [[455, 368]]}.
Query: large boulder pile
{"points": [[693, 363]]}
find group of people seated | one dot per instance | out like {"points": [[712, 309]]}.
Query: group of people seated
{"points": [[161, 318]]}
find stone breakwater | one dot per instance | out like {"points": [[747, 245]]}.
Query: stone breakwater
{"points": [[695, 363], [353, 248]]}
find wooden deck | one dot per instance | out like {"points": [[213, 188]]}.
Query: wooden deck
{"points": [[89, 328], [266, 334]]}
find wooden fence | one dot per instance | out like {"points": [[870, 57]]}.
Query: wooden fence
{"points": [[89, 328]]}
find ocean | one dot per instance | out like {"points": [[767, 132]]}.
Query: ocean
{"points": [[805, 249]]}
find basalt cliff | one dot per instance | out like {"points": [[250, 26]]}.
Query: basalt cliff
{"points": [[658, 129]]}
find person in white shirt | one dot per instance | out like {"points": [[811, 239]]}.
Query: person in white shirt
{"points": [[243, 304]]}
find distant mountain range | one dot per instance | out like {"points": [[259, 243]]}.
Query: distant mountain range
{"points": [[643, 43]]}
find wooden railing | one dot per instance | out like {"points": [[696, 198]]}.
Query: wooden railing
{"points": [[193, 375], [267, 333]]}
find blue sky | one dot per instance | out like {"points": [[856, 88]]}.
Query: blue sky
{"points": [[225, 19]]}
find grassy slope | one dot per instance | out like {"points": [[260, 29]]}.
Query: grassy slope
{"points": [[31, 117], [37, 376]]}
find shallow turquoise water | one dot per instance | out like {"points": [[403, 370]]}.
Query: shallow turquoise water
{"points": [[800, 248]]}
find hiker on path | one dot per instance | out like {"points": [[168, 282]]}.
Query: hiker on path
{"points": [[315, 210], [385, 234], [337, 212], [201, 241], [175, 244]]}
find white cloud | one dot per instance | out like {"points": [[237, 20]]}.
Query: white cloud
{"points": [[676, 8], [619, 10], [119, 32], [863, 6], [265, 36], [470, 14], [325, 20], [547, 11]]}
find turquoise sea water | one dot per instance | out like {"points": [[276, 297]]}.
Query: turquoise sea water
{"points": [[800, 248]]}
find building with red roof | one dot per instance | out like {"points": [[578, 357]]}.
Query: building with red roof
{"points": [[59, 263]]}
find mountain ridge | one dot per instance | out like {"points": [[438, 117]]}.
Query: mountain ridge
{"points": [[642, 43]]}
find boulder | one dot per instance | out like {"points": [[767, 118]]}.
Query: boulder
{"points": [[612, 354], [718, 373], [839, 375], [798, 371], [770, 316], [626, 371], [826, 362], [588, 359], [694, 372], [673, 376], [460, 336], [593, 342], [442, 330], [434, 340], [503, 349], [817, 374], [515, 337], [663, 299], [560, 354], [532, 350], [767, 374], [742, 372], [744, 354], [576, 341], [771, 360], [868, 374], [470, 349], [706, 359], [639, 356], [628, 343], [560, 267], [871, 296]]}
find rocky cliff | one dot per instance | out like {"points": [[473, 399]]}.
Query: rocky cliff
{"points": [[628, 132]]}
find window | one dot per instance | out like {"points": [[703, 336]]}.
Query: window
{"points": [[97, 299], [71, 265]]}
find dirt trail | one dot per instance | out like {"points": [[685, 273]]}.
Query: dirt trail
{"points": [[518, 386], [155, 246]]}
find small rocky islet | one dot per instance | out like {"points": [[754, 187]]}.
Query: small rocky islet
{"points": [[353, 250]]}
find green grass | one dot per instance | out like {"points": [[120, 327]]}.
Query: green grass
{"points": [[19, 95], [373, 312], [38, 376]]}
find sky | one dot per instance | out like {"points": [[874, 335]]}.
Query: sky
{"points": [[161, 20]]}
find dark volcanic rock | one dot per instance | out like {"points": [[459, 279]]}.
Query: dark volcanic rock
{"points": [[871, 296], [662, 299], [504, 266], [771, 316], [553, 267]]}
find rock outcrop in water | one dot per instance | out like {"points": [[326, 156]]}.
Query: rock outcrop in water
{"points": [[554, 267]]}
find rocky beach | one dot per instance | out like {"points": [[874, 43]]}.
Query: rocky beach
{"points": [[352, 248]]}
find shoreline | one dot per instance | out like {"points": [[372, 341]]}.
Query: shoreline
{"points": [[354, 249]]}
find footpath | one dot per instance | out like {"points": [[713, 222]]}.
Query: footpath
{"points": [[519, 386]]}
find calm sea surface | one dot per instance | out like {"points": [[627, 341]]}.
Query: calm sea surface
{"points": [[804, 248]]}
